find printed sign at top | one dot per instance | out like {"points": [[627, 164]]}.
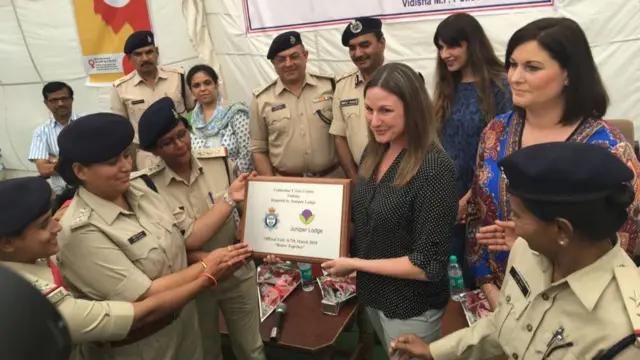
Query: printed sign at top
{"points": [[279, 15]]}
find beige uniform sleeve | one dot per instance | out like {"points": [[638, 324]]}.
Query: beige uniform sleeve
{"points": [[99, 268], [96, 320], [257, 129], [117, 106], [478, 341], [338, 126]]}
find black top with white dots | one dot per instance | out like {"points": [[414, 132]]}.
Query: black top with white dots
{"points": [[415, 220]]}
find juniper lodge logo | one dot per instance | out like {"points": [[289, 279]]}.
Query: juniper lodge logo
{"points": [[271, 219], [306, 217]]}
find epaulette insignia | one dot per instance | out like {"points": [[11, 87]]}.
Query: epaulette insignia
{"points": [[210, 153], [260, 90], [347, 75], [172, 69], [628, 279], [124, 79], [82, 218]]}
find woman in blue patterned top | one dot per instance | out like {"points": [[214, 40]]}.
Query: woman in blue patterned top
{"points": [[218, 123], [471, 89], [558, 95]]}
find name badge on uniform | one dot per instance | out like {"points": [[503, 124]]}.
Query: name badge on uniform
{"points": [[136, 102], [278, 107], [522, 284], [137, 237], [349, 102]]}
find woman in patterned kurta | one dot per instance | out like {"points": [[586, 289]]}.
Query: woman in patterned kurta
{"points": [[217, 123], [542, 85]]}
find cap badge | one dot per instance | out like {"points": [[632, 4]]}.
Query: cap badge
{"points": [[356, 26], [292, 40], [149, 39], [175, 114]]}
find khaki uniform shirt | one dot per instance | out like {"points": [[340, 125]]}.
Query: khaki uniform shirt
{"points": [[294, 130], [108, 253], [588, 312], [349, 113], [86, 320], [131, 96]]}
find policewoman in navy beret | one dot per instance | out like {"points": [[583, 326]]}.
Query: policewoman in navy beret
{"points": [[121, 240], [570, 291], [28, 244]]}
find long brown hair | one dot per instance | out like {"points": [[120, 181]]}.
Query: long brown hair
{"points": [[489, 70], [420, 125]]}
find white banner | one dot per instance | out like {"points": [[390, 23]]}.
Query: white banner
{"points": [[103, 64], [280, 15]]}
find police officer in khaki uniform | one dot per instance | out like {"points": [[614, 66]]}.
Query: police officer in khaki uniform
{"points": [[132, 94], [121, 240], [570, 292], [366, 43], [192, 180], [290, 117], [28, 241]]}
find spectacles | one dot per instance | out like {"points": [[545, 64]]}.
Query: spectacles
{"points": [[279, 60], [180, 136], [64, 99]]}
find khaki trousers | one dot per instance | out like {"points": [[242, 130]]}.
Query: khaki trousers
{"points": [[237, 298]]}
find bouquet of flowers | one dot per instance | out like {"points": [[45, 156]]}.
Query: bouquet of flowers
{"points": [[335, 291], [275, 283], [475, 306]]}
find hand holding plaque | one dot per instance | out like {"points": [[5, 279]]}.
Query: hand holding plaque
{"points": [[300, 219]]}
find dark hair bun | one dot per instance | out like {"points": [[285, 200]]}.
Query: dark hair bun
{"points": [[621, 196]]}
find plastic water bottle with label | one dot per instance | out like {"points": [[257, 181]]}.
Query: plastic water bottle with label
{"points": [[456, 281], [306, 276]]}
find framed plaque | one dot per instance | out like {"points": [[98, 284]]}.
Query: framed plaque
{"points": [[299, 219]]}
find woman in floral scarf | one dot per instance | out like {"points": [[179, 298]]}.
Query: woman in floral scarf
{"points": [[217, 123]]}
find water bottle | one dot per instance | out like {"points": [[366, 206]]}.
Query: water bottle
{"points": [[456, 281], [307, 276]]}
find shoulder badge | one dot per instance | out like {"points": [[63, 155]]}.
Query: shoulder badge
{"points": [[260, 90], [210, 153], [53, 292], [148, 171], [80, 217], [347, 75], [177, 70], [628, 279], [124, 79]]}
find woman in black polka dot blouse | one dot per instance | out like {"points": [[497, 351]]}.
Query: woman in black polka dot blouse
{"points": [[403, 208]]}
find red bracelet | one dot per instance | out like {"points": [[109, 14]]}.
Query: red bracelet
{"points": [[66, 203], [214, 282]]}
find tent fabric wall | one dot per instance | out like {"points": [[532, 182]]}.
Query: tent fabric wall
{"points": [[39, 43]]}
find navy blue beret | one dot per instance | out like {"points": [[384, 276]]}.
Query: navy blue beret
{"points": [[22, 201], [564, 171], [282, 42], [360, 26], [137, 40], [157, 121]]}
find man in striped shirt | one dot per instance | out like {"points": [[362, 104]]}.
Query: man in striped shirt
{"points": [[58, 97]]}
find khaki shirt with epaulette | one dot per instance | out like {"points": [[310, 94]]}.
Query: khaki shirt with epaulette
{"points": [[349, 114], [109, 253], [211, 175], [86, 320], [575, 318], [131, 95], [294, 130]]}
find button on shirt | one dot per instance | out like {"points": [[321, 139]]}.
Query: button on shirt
{"points": [[588, 309], [413, 220], [294, 130], [44, 142], [349, 113]]}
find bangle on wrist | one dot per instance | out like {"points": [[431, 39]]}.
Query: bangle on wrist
{"points": [[204, 264], [214, 282]]}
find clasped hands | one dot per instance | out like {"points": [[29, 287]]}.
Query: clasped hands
{"points": [[224, 261]]}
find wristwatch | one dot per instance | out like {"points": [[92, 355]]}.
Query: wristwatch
{"points": [[228, 200]]}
